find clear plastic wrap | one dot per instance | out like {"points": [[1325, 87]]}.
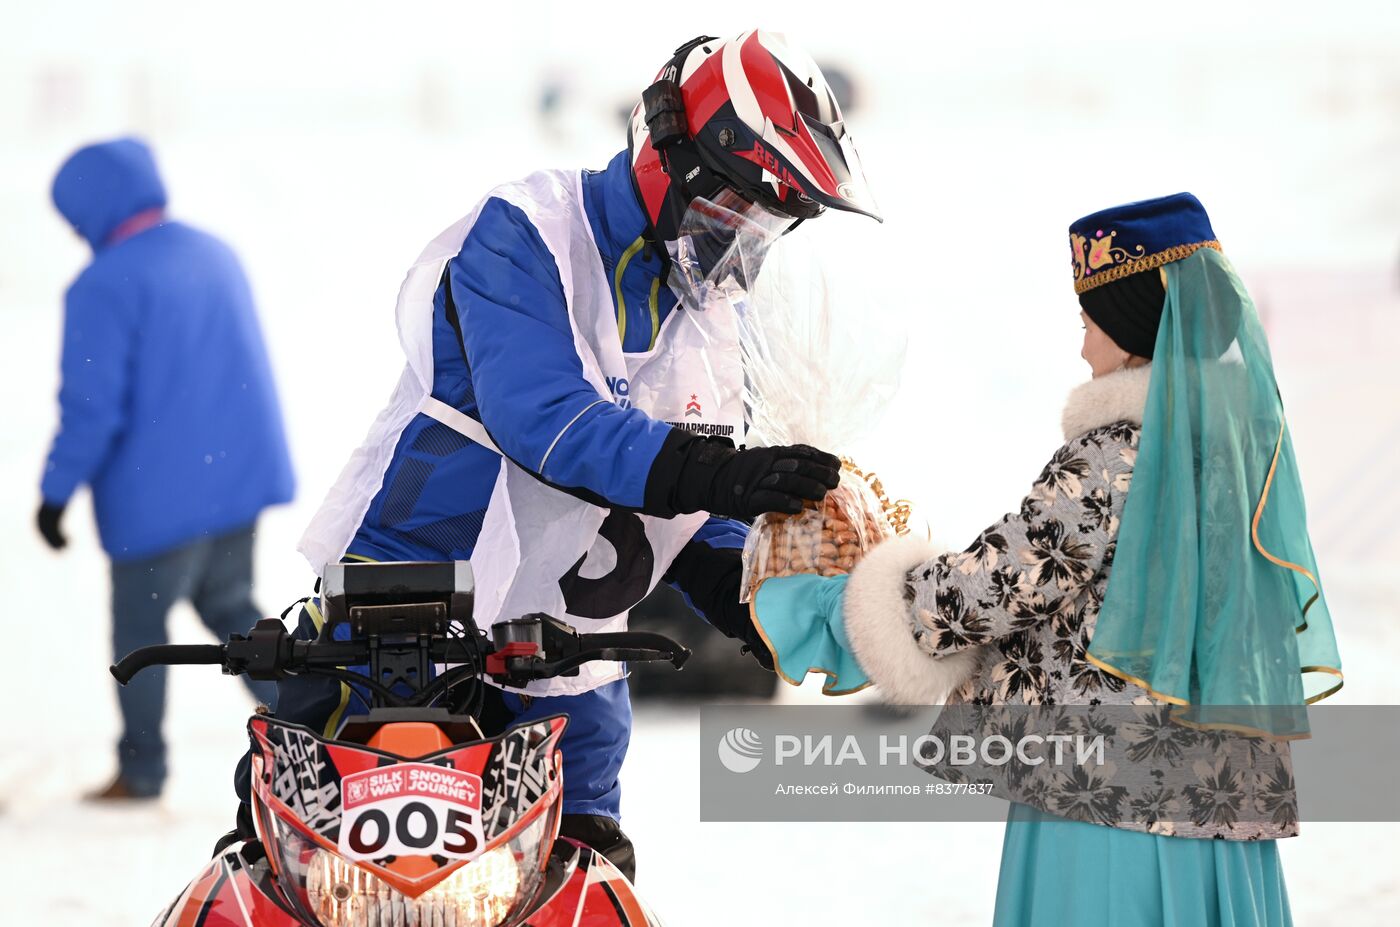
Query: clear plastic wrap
{"points": [[815, 374], [827, 537]]}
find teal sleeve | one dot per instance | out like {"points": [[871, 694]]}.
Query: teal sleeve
{"points": [[801, 620]]}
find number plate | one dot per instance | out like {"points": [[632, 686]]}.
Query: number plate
{"points": [[411, 809]]}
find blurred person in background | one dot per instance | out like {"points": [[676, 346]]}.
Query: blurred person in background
{"points": [[573, 386], [170, 415], [1161, 559]]}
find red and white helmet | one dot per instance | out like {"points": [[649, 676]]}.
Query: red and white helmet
{"points": [[752, 114]]}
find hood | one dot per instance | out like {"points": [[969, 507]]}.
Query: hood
{"points": [[102, 185]]}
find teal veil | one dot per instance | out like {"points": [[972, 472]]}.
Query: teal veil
{"points": [[1214, 602]]}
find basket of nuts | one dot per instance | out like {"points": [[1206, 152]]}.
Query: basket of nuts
{"points": [[828, 537]]}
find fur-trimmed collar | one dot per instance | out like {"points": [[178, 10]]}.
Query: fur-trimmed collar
{"points": [[1120, 396]]}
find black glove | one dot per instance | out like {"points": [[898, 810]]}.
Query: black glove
{"points": [[48, 518], [714, 477], [710, 578]]}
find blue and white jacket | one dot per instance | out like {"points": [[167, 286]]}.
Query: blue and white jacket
{"points": [[506, 358]]}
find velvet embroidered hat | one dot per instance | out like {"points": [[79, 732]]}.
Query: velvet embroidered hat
{"points": [[1111, 250]]}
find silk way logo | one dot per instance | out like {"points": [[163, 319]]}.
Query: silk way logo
{"points": [[740, 750], [693, 407]]}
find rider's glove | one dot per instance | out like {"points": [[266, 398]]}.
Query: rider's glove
{"points": [[710, 475], [709, 577]]}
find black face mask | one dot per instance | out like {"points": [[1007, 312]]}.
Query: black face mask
{"points": [[1129, 310], [711, 247]]}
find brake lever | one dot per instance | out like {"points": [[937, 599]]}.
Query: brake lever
{"points": [[522, 645], [518, 668]]}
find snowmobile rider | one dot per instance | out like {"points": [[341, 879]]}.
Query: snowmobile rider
{"points": [[567, 416]]}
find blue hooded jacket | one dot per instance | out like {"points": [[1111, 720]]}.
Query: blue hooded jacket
{"points": [[168, 405]]}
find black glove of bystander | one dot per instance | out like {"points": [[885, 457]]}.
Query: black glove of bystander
{"points": [[48, 521]]}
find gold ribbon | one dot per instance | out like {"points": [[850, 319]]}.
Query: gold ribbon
{"points": [[1259, 545], [898, 512]]}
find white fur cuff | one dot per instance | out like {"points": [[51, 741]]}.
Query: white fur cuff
{"points": [[879, 628]]}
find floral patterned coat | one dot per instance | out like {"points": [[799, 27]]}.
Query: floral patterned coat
{"points": [[1008, 621]]}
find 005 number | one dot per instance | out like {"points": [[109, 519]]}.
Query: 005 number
{"points": [[414, 828]]}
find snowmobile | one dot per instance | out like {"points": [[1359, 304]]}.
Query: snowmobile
{"points": [[410, 815]]}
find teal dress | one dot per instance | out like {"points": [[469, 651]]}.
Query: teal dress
{"points": [[1056, 872]]}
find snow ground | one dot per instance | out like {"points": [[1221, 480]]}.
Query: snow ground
{"points": [[328, 163]]}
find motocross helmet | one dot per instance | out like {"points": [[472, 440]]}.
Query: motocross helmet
{"points": [[751, 116]]}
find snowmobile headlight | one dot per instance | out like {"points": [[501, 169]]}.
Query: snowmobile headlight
{"points": [[492, 889], [479, 894]]}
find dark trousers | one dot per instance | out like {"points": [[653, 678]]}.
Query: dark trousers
{"points": [[216, 576]]}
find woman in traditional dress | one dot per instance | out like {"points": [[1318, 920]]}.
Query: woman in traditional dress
{"points": [[1160, 559]]}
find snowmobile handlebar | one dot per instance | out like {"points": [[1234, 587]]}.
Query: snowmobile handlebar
{"points": [[535, 647], [404, 620]]}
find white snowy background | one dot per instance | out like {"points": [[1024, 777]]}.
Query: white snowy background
{"points": [[329, 142]]}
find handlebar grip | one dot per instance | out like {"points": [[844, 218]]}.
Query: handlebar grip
{"points": [[166, 655]]}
